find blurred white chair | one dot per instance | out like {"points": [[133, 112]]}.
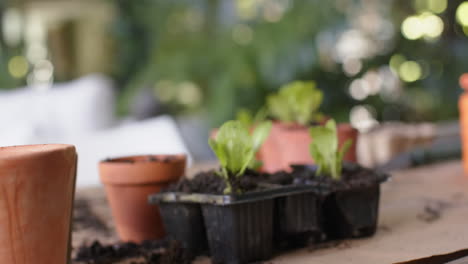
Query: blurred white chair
{"points": [[81, 113], [66, 110]]}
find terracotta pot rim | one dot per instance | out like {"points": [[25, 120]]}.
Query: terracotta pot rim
{"points": [[290, 125], [146, 158], [22, 151], [297, 126], [141, 170]]}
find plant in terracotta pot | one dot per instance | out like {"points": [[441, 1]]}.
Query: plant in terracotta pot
{"points": [[129, 181], [37, 184], [294, 109]]}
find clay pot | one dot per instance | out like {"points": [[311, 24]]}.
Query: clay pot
{"points": [[268, 152], [293, 142], [128, 182], [463, 108], [37, 185], [345, 132]]}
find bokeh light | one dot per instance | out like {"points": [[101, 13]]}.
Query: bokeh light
{"points": [[424, 25], [437, 6], [362, 117], [242, 34], [164, 90], [189, 94], [359, 89], [434, 6], [12, 26], [352, 66], [395, 62], [410, 71], [18, 67], [273, 11], [462, 14], [411, 28], [246, 9]]}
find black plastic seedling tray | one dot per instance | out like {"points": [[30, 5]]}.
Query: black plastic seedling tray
{"points": [[250, 227], [297, 219], [238, 228], [184, 222], [352, 212]]}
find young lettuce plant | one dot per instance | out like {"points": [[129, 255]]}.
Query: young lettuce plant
{"points": [[296, 102], [248, 118], [325, 152], [235, 149]]}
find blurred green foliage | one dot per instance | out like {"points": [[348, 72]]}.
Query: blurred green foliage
{"points": [[234, 60], [215, 57], [6, 52]]}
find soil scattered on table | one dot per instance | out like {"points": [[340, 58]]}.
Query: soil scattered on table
{"points": [[340, 244], [433, 210], [148, 252], [85, 218]]}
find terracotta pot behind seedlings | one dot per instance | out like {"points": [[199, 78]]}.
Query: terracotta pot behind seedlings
{"points": [[36, 194], [128, 182], [268, 153], [293, 143]]}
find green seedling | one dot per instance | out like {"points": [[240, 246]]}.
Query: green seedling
{"points": [[296, 102], [235, 149], [325, 152], [248, 118]]}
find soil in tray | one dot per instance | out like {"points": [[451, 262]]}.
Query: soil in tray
{"points": [[352, 176], [148, 252], [209, 183]]}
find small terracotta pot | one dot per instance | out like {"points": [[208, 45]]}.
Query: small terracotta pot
{"points": [[37, 185], [293, 141], [128, 182]]}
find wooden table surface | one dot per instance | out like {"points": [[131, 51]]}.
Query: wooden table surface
{"points": [[423, 212]]}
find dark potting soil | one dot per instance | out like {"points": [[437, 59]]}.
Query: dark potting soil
{"points": [[149, 158], [209, 182], [352, 176], [148, 252]]}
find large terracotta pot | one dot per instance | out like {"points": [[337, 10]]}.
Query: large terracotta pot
{"points": [[293, 142], [36, 195], [128, 182]]}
